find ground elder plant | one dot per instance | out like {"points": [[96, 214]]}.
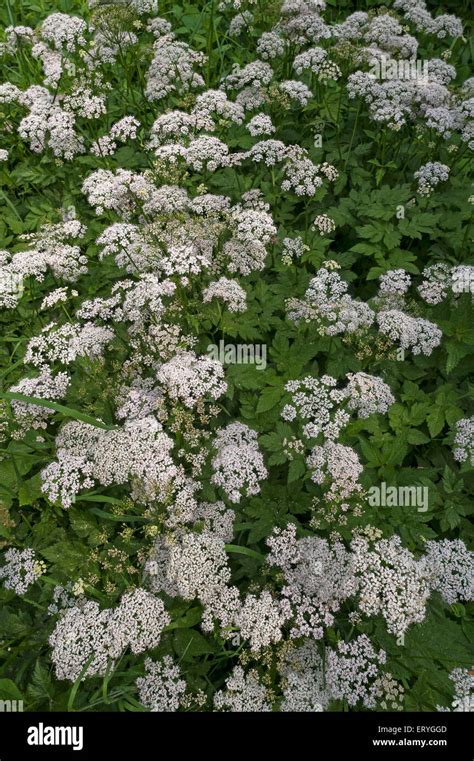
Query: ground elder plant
{"points": [[181, 530]]}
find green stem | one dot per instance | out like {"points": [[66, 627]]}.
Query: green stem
{"points": [[353, 134]]}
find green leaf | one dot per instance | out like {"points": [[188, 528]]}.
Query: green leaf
{"points": [[435, 421], [244, 551], [120, 518], [269, 398], [296, 469], [9, 690], [188, 643], [41, 687], [30, 491], [455, 353], [416, 437], [190, 618], [66, 411]]}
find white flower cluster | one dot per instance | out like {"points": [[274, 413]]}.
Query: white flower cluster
{"points": [[64, 32], [261, 618], [86, 640], [175, 126], [368, 394], [435, 285], [450, 569], [216, 104], [352, 670], [313, 400], [57, 296], [128, 245], [301, 175], [412, 333], [49, 252], [252, 231], [240, 22], [327, 303], [229, 292], [120, 191], [44, 386], [15, 36], [192, 563], [396, 101], [324, 409], [260, 124], [48, 125], [189, 564], [173, 247], [172, 68], [238, 466], [391, 583], [142, 300], [189, 378], [140, 6], [251, 82], [318, 578], [123, 130], [303, 681], [462, 279], [296, 91], [439, 280], [293, 248], [21, 570], [316, 60], [11, 282], [301, 22], [140, 451], [67, 342], [162, 688], [418, 14], [244, 693], [270, 45], [324, 224], [338, 464], [463, 682], [234, 4], [384, 577], [464, 440], [430, 175], [395, 283]]}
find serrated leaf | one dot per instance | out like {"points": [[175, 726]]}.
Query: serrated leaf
{"points": [[296, 469], [269, 398], [9, 690], [435, 421]]}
